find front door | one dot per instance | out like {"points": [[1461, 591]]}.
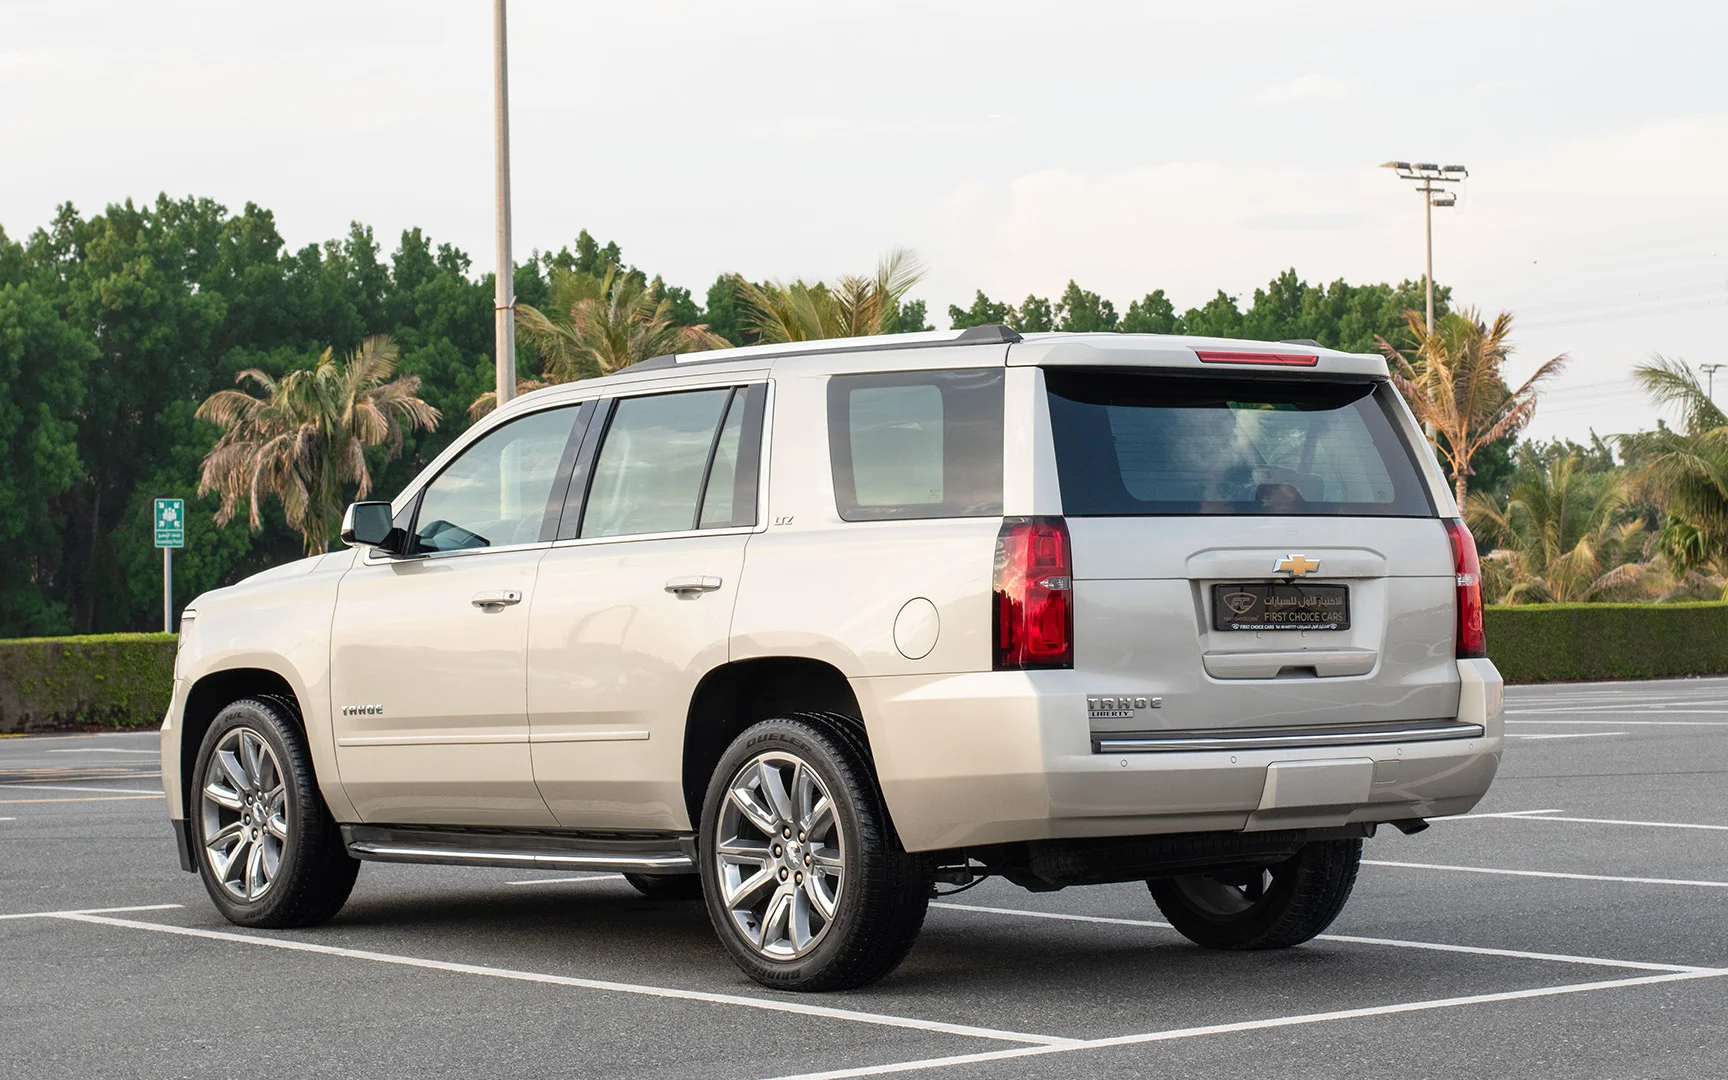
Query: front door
{"points": [[429, 652], [634, 605]]}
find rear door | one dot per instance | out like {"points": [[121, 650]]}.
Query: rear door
{"points": [[1256, 550], [634, 602]]}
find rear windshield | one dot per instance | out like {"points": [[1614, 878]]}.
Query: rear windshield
{"points": [[1142, 443]]}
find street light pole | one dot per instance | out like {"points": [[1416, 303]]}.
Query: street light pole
{"points": [[1427, 176], [503, 292]]}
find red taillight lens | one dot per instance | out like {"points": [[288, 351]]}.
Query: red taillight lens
{"points": [[1472, 641], [1034, 595], [1211, 356]]}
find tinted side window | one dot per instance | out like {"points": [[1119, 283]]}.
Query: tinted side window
{"points": [[647, 477], [497, 492], [918, 444]]}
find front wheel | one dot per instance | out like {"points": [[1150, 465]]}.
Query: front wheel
{"points": [[267, 849], [1263, 907], [805, 880]]}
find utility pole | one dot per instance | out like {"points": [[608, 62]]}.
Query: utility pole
{"points": [[504, 290], [1710, 371], [1426, 177]]}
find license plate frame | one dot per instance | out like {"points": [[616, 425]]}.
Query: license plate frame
{"points": [[1280, 606]]}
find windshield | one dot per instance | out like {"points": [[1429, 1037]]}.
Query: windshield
{"points": [[1141, 443]]}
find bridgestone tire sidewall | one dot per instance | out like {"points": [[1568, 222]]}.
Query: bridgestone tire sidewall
{"points": [[1302, 901], [310, 832], [823, 751]]}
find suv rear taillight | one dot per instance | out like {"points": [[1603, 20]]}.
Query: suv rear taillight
{"points": [[1034, 595], [1472, 641]]}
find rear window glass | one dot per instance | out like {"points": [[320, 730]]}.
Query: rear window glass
{"points": [[916, 444], [1133, 444]]}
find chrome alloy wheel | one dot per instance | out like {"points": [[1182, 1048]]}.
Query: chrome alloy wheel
{"points": [[779, 855], [245, 808]]}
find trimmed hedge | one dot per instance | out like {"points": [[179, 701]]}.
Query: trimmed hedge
{"points": [[126, 680], [1567, 642], [106, 680]]}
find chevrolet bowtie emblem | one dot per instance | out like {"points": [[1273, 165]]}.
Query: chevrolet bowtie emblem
{"points": [[1296, 565]]}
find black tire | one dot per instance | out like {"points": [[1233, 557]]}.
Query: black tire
{"points": [[667, 886], [314, 873], [879, 904], [1263, 909]]}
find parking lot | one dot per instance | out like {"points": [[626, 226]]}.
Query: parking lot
{"points": [[1575, 925]]}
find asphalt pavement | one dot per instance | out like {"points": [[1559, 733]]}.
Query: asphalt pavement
{"points": [[1576, 925]]}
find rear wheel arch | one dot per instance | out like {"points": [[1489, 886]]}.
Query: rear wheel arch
{"points": [[737, 695]]}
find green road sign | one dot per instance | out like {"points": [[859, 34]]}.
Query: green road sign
{"points": [[170, 523]]}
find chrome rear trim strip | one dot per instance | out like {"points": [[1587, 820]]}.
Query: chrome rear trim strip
{"points": [[1189, 741]]}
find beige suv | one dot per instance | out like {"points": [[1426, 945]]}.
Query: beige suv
{"points": [[810, 631]]}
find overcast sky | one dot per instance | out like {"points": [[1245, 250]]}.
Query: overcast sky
{"points": [[1013, 146]]}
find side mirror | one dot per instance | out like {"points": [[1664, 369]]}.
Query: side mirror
{"points": [[368, 525]]}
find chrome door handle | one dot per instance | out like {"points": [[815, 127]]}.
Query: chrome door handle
{"points": [[690, 586], [501, 598]]}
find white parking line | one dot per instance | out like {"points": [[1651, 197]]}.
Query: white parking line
{"points": [[87, 911], [1545, 815], [1549, 874], [1629, 723], [1659, 710], [26, 786], [104, 750], [1476, 950], [1253, 1025], [767, 1004], [1567, 735], [573, 879]]}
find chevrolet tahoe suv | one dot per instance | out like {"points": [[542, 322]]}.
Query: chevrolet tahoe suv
{"points": [[809, 631]]}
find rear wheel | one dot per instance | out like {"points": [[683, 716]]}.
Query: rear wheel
{"points": [[1263, 908], [806, 882], [667, 886], [267, 849]]}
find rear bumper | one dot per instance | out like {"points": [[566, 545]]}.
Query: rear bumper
{"points": [[994, 757]]}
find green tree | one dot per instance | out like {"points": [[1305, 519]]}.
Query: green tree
{"points": [[1565, 534], [305, 441], [42, 365], [854, 306], [1453, 382], [1684, 469], [610, 323], [1079, 311], [1152, 314]]}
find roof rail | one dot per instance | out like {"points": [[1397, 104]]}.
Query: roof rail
{"points": [[988, 334]]}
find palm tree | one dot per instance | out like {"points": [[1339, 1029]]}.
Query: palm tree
{"points": [[1453, 383], [1564, 535], [306, 439], [854, 306], [610, 322], [1684, 469]]}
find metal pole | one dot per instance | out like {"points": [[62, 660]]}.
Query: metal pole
{"points": [[503, 295], [1428, 267], [167, 590]]}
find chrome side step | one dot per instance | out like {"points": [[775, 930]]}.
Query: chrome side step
{"points": [[523, 849], [1292, 738]]}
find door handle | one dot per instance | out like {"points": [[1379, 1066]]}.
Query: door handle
{"points": [[498, 599], [691, 586]]}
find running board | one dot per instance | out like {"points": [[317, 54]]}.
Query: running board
{"points": [[654, 853]]}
